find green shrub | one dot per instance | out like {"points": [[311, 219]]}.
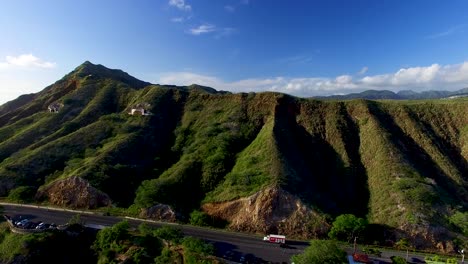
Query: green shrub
{"points": [[11, 246], [109, 238], [346, 227], [22, 194], [460, 220], [321, 252], [398, 260], [199, 218], [372, 251], [452, 261], [197, 246], [167, 256], [169, 234]]}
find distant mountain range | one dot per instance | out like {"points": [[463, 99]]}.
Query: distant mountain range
{"points": [[401, 95]]}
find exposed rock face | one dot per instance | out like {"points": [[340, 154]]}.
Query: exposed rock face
{"points": [[271, 210], [74, 192], [425, 236], [162, 212]]}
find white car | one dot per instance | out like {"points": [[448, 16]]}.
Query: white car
{"points": [[22, 222]]}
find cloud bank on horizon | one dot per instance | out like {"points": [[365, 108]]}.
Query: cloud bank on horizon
{"points": [[433, 77], [25, 61]]}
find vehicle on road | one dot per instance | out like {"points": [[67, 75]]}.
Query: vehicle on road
{"points": [[41, 225], [279, 239], [22, 222]]}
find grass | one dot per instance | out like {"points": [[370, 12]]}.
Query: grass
{"points": [[390, 161], [12, 245], [252, 171]]}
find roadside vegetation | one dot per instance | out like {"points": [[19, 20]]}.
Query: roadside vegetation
{"points": [[321, 252], [116, 244], [47, 247]]}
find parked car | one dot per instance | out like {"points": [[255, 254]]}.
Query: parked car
{"points": [[22, 222], [40, 225], [29, 225], [229, 255]]}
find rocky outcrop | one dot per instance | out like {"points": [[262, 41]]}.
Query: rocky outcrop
{"points": [[160, 212], [425, 236], [271, 210], [73, 192]]}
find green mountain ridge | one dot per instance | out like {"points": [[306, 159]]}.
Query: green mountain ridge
{"points": [[401, 164]]}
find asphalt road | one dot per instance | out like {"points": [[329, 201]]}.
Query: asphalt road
{"points": [[238, 243], [224, 241]]}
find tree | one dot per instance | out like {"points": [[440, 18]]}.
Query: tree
{"points": [[169, 234], [321, 252], [398, 260], [196, 250], [199, 218], [403, 244], [76, 220], [460, 220], [346, 227], [168, 256], [22, 194], [109, 238]]}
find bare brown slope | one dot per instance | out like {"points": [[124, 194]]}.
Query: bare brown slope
{"points": [[270, 211]]}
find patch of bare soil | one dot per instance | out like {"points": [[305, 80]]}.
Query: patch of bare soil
{"points": [[160, 212], [270, 211], [74, 192]]}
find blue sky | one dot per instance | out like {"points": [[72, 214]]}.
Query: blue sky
{"points": [[302, 47]]}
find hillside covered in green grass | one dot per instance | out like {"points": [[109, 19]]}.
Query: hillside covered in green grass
{"points": [[399, 164]]}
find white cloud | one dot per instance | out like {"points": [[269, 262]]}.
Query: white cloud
{"points": [[210, 28], [177, 19], [453, 30], [25, 61], [229, 8], [414, 76], [446, 77], [202, 29], [180, 4], [363, 70]]}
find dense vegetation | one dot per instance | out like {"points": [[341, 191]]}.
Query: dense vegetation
{"points": [[116, 244], [398, 164], [47, 247], [321, 252]]}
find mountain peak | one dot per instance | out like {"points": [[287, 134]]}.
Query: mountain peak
{"points": [[87, 68]]}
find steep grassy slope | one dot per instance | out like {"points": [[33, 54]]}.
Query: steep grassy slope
{"points": [[401, 164]]}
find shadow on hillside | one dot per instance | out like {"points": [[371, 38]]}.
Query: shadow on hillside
{"points": [[418, 158], [313, 169]]}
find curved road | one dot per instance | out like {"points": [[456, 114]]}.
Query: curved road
{"points": [[224, 241], [238, 243]]}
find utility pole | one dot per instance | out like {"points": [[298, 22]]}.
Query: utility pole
{"points": [[355, 238]]}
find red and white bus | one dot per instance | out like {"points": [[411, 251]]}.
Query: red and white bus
{"points": [[279, 239]]}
